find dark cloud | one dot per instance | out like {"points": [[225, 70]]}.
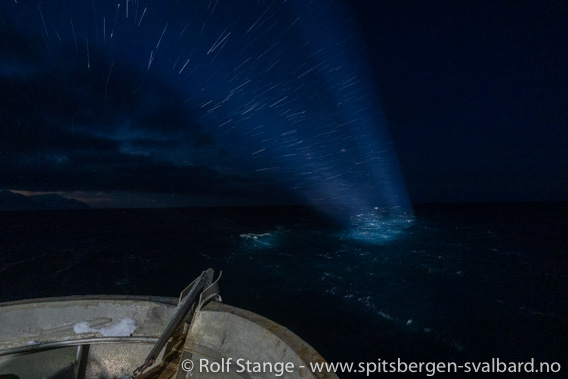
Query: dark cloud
{"points": [[66, 129], [107, 172]]}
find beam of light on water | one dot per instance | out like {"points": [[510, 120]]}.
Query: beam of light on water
{"points": [[364, 179]]}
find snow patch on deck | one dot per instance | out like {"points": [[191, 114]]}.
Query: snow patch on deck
{"points": [[122, 328]]}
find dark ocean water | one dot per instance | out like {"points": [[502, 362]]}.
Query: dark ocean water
{"points": [[459, 283]]}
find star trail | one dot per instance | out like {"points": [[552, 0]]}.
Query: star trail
{"points": [[226, 93]]}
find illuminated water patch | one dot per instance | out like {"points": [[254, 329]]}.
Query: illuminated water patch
{"points": [[381, 225]]}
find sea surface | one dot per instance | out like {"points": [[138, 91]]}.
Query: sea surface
{"points": [[457, 283]]}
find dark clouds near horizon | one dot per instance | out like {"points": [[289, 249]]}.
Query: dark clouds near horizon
{"points": [[475, 98], [112, 128], [65, 130]]}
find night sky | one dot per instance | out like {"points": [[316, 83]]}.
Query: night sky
{"points": [[129, 103]]}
